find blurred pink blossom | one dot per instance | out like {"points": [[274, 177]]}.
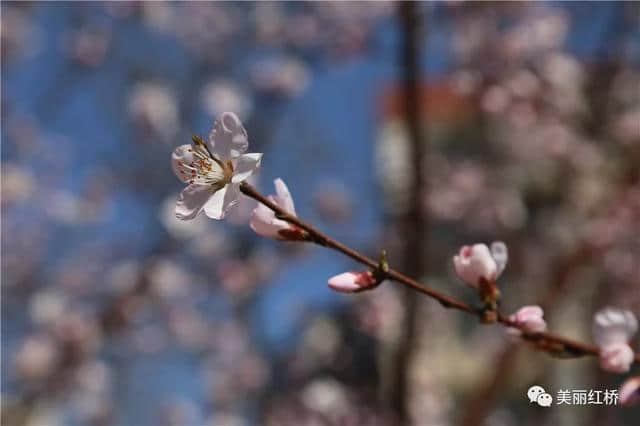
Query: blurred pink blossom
{"points": [[616, 358], [89, 46], [630, 391], [154, 107], [37, 357], [333, 200], [530, 318], [612, 326], [612, 330]]}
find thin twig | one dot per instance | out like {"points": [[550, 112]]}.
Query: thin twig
{"points": [[549, 342]]}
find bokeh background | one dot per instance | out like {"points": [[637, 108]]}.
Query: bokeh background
{"points": [[526, 117]]}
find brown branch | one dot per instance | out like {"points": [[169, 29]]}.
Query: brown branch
{"points": [[556, 345]]}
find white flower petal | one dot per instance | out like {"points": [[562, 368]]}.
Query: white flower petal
{"points": [[466, 274], [500, 254], [223, 200], [264, 222], [228, 138], [284, 196], [482, 263], [246, 165], [181, 157], [191, 201]]}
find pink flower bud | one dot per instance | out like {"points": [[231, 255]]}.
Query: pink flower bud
{"points": [[352, 282], [264, 221], [475, 263], [612, 325], [630, 391], [530, 318], [616, 358]]}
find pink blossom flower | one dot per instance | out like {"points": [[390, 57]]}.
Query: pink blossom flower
{"points": [[530, 318], [612, 325], [214, 170], [476, 263], [352, 282], [264, 221], [612, 330], [630, 391], [616, 358]]}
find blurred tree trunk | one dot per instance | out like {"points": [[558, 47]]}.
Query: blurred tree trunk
{"points": [[414, 221]]}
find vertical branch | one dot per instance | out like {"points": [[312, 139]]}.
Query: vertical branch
{"points": [[414, 222]]}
